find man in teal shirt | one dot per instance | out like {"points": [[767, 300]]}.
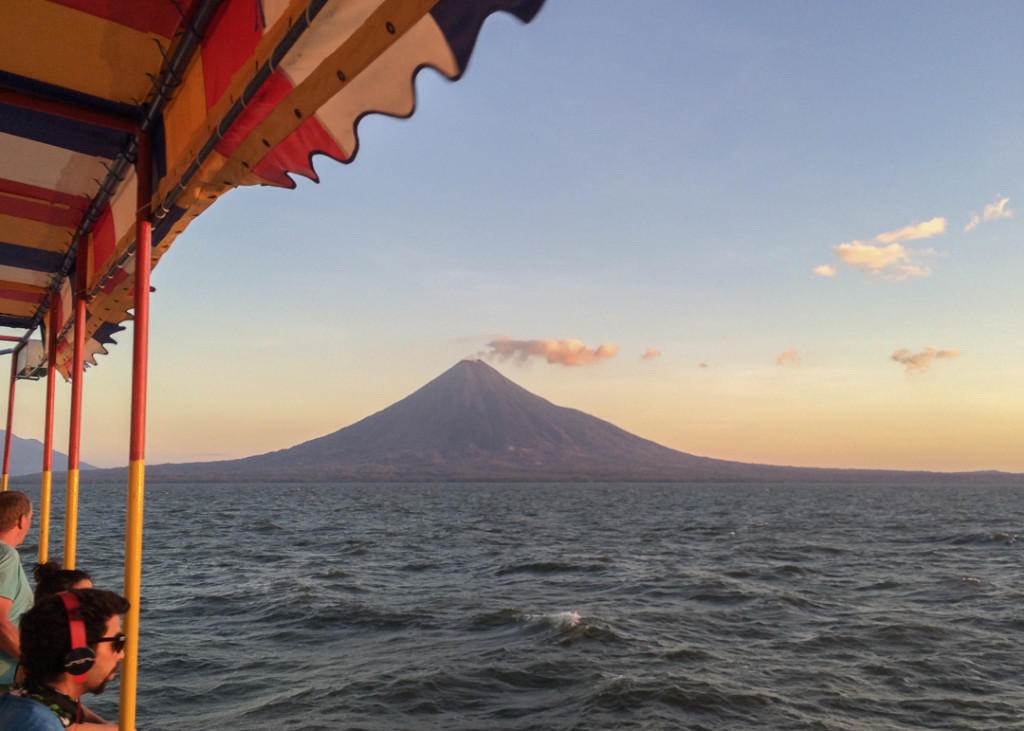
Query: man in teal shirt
{"points": [[15, 591]]}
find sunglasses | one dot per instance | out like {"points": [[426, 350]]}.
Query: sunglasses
{"points": [[116, 642]]}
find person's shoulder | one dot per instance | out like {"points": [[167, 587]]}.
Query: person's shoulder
{"points": [[9, 557], [27, 715], [10, 562]]}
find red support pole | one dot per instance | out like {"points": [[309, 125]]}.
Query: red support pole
{"points": [[10, 423], [75, 431], [45, 490], [137, 448]]}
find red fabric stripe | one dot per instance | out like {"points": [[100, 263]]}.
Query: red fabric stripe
{"points": [[273, 90], [294, 153], [20, 296], [147, 16], [43, 194], [39, 212], [230, 42], [103, 238]]}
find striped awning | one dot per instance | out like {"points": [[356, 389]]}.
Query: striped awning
{"points": [[231, 92]]}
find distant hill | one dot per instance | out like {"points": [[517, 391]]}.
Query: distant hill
{"points": [[27, 456], [473, 424]]}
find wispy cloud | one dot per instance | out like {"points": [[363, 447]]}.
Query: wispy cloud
{"points": [[914, 232], [992, 212], [923, 360], [788, 356], [885, 256], [651, 354], [563, 352]]}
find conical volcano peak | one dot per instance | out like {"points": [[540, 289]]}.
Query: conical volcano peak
{"points": [[468, 380]]}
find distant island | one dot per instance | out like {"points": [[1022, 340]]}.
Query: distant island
{"points": [[27, 456], [472, 424]]}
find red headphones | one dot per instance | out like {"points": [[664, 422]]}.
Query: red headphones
{"points": [[81, 658]]}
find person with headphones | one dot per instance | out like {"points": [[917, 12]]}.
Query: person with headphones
{"points": [[71, 644]]}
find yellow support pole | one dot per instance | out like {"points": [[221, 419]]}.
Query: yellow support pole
{"points": [[45, 490], [137, 449], [44, 517], [71, 519], [10, 423], [75, 431]]}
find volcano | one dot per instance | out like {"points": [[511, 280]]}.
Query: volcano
{"points": [[473, 424]]}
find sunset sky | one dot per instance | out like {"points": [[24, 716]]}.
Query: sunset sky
{"points": [[786, 232]]}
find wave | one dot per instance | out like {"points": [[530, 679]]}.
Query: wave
{"points": [[551, 567]]}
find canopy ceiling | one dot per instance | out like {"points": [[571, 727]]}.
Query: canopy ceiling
{"points": [[231, 92]]}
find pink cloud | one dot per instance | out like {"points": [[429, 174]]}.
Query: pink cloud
{"points": [[993, 211], [562, 352], [789, 355], [885, 256], [923, 360]]}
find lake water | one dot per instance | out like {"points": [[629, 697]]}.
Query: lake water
{"points": [[570, 606]]}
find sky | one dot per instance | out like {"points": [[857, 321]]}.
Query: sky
{"points": [[787, 233]]}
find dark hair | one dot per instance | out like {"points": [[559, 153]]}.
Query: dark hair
{"points": [[52, 579], [46, 638], [13, 505]]}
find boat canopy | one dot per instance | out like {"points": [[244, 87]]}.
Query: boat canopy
{"points": [[122, 121], [229, 92]]}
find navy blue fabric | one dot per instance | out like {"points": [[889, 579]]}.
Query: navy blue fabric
{"points": [[461, 21], [163, 226], [25, 257], [61, 132]]}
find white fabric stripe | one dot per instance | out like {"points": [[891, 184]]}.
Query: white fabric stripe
{"points": [[25, 276], [49, 167], [67, 308], [123, 206], [335, 22], [387, 85]]}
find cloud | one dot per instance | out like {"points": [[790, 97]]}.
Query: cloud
{"points": [[884, 256], [921, 361], [917, 231], [563, 352], [993, 211], [789, 355], [651, 354], [703, 365], [893, 262]]}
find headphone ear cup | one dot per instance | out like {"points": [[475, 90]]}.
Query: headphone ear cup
{"points": [[81, 657], [79, 660]]}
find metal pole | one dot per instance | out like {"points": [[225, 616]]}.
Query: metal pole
{"points": [[44, 493], [75, 432], [137, 449], [10, 421]]}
